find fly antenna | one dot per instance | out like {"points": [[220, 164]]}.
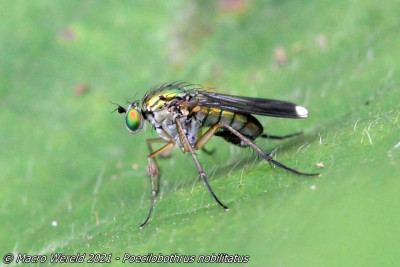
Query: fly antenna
{"points": [[119, 108]]}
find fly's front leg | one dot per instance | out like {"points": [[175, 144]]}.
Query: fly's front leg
{"points": [[152, 165], [186, 144], [154, 171]]}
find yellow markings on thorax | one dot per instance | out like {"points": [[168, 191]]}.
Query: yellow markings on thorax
{"points": [[158, 101]]}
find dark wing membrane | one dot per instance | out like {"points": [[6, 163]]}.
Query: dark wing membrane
{"points": [[248, 105]]}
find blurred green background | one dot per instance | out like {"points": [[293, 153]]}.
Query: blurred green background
{"points": [[73, 179]]}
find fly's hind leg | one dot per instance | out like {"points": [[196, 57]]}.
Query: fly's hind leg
{"points": [[154, 171], [208, 152], [280, 137], [203, 140], [210, 133]]}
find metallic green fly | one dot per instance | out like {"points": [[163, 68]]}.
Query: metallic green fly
{"points": [[179, 111]]}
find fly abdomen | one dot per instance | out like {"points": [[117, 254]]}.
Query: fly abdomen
{"points": [[246, 124], [209, 116]]}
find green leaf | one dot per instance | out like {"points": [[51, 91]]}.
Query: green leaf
{"points": [[73, 179]]}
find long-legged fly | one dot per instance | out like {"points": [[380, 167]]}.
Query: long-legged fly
{"points": [[179, 111]]}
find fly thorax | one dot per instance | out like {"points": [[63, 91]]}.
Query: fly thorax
{"points": [[150, 117], [193, 129], [190, 130], [161, 115]]}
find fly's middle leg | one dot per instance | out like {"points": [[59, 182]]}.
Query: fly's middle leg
{"points": [[185, 143]]}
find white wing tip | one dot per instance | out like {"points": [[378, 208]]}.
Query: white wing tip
{"points": [[302, 112]]}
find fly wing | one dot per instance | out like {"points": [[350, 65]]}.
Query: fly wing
{"points": [[248, 105]]}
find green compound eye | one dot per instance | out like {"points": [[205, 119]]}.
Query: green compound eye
{"points": [[134, 120]]}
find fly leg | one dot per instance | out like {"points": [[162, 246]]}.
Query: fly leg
{"points": [[152, 167], [154, 171], [208, 152], [277, 137], [210, 132], [186, 145]]}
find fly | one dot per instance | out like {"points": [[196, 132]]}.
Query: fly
{"points": [[179, 111]]}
